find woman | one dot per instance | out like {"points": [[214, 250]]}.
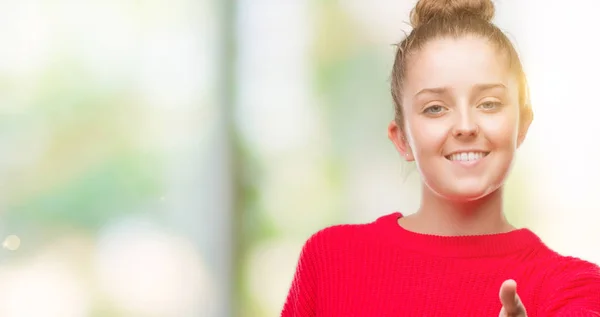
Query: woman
{"points": [[462, 110]]}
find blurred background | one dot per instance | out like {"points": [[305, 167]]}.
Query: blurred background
{"points": [[169, 158]]}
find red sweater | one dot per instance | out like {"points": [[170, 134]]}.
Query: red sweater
{"points": [[380, 269]]}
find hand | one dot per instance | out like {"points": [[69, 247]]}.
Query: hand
{"points": [[511, 303]]}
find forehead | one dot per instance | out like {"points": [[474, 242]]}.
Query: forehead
{"points": [[461, 62]]}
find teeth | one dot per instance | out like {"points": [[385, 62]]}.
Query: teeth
{"points": [[467, 156]]}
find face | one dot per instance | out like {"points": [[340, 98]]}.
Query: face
{"points": [[461, 110]]}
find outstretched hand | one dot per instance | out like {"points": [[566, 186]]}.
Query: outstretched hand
{"points": [[511, 303]]}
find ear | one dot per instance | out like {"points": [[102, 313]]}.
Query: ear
{"points": [[525, 122], [398, 137]]}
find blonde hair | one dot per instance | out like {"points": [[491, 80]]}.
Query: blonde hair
{"points": [[434, 19]]}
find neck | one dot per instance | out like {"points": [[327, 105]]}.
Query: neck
{"points": [[439, 216]]}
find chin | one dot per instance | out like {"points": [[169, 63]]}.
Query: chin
{"points": [[465, 194], [466, 197]]}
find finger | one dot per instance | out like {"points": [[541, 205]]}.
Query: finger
{"points": [[511, 303], [508, 292]]}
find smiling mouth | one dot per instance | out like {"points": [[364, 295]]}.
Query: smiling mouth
{"points": [[466, 156]]}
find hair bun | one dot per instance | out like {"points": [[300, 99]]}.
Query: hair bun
{"points": [[427, 10]]}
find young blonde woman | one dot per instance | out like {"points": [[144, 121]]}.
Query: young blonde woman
{"points": [[462, 111]]}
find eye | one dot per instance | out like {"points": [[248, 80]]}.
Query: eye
{"points": [[434, 110], [490, 105]]}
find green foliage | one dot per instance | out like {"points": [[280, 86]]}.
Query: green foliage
{"points": [[113, 188]]}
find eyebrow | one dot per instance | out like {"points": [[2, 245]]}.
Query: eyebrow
{"points": [[443, 90]]}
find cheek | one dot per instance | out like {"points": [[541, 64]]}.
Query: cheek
{"points": [[428, 135], [501, 130]]}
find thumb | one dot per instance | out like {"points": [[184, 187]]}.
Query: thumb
{"points": [[511, 303]]}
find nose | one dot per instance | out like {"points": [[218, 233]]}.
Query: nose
{"points": [[466, 127]]}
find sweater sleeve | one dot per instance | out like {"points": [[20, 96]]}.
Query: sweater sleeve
{"points": [[301, 298], [573, 290]]}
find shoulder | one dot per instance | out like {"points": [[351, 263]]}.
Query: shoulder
{"points": [[340, 236], [569, 267], [561, 269], [570, 284], [571, 273], [580, 266]]}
